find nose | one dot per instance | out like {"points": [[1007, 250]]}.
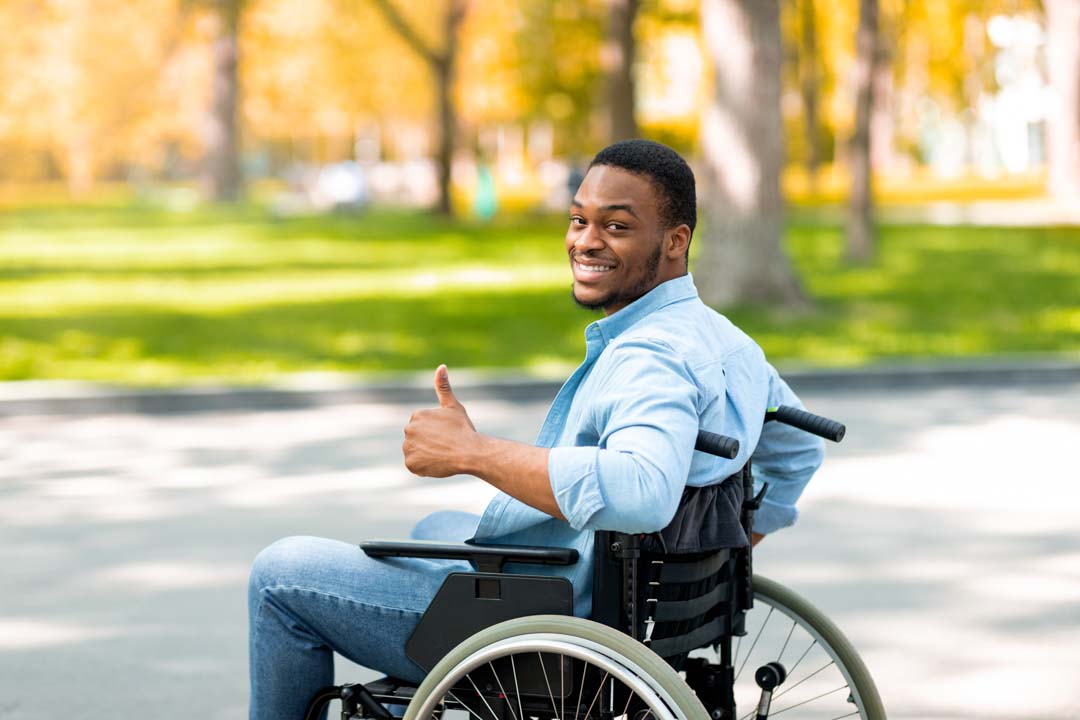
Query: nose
{"points": [[588, 240]]}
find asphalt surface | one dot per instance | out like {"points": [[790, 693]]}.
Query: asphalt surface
{"points": [[942, 536]]}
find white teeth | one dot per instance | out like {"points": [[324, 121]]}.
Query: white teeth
{"points": [[594, 268]]}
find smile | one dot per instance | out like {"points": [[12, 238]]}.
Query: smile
{"points": [[592, 268]]}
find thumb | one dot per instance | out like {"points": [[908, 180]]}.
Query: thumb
{"points": [[442, 388]]}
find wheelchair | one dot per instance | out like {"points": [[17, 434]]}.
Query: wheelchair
{"points": [[680, 629]]}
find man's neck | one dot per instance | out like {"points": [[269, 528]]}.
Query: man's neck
{"points": [[608, 312]]}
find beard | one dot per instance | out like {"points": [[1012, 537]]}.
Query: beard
{"points": [[645, 282]]}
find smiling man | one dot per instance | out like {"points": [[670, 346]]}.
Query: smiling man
{"points": [[616, 451]]}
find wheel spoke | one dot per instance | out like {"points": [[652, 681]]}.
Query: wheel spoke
{"points": [[562, 687], [464, 705], [756, 638], [517, 688], [581, 689], [503, 690], [597, 695], [788, 689], [551, 695], [850, 714], [629, 697], [791, 670], [786, 641], [482, 698], [609, 666], [816, 697]]}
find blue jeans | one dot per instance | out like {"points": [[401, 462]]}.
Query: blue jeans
{"points": [[309, 597]]}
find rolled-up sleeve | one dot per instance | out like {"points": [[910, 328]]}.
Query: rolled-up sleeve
{"points": [[646, 414], [785, 458]]}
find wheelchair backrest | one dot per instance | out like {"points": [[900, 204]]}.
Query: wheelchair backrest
{"points": [[687, 585]]}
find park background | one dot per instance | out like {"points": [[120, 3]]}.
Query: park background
{"points": [[236, 238], [199, 191]]}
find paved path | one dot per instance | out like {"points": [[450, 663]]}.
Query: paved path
{"points": [[942, 536]]}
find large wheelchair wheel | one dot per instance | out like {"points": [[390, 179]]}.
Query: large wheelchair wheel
{"points": [[552, 666], [826, 678]]}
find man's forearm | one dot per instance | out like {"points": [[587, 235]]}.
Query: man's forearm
{"points": [[517, 469]]}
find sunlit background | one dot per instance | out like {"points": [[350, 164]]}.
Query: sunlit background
{"points": [[331, 197], [231, 190]]}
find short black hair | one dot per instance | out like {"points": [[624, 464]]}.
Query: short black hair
{"points": [[667, 170]]}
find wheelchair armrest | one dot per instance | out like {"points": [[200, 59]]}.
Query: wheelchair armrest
{"points": [[487, 558]]}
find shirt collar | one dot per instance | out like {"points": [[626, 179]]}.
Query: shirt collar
{"points": [[666, 293]]}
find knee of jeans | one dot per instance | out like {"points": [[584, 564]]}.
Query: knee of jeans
{"points": [[424, 530], [441, 525], [278, 563]]}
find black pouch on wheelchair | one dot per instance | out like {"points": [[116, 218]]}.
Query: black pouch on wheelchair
{"points": [[688, 571], [708, 518]]}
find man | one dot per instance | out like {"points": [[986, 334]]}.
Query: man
{"points": [[615, 452]]}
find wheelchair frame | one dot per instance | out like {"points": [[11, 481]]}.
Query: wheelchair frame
{"points": [[671, 603]]}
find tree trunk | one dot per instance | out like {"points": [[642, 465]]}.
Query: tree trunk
{"points": [[882, 134], [860, 225], [222, 181], [78, 160], [810, 85], [447, 129], [1063, 60], [443, 66], [618, 60], [742, 259]]}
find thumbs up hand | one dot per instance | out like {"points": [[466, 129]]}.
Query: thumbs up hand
{"points": [[443, 391], [436, 439]]}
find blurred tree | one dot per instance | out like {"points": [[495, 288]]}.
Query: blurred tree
{"points": [[670, 72], [1063, 61], [810, 88], [221, 175], [311, 94], [71, 110], [860, 222], [617, 57], [556, 64], [742, 259], [442, 65], [557, 68], [489, 90]]}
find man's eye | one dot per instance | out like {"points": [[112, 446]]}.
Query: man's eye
{"points": [[616, 226], [575, 220]]}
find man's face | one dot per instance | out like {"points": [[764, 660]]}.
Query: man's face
{"points": [[615, 240]]}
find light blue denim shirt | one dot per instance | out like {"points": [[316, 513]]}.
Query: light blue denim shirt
{"points": [[622, 430]]}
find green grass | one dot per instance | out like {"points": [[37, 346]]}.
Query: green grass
{"points": [[141, 296]]}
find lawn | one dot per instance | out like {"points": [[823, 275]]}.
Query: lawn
{"points": [[136, 295]]}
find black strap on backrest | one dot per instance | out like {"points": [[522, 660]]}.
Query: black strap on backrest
{"points": [[681, 645], [674, 571], [673, 610], [689, 600]]}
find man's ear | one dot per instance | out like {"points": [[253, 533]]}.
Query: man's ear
{"points": [[677, 241]]}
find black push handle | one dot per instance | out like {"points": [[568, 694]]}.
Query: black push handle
{"points": [[811, 423], [716, 444]]}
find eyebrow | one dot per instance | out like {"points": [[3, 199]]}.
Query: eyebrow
{"points": [[608, 208]]}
